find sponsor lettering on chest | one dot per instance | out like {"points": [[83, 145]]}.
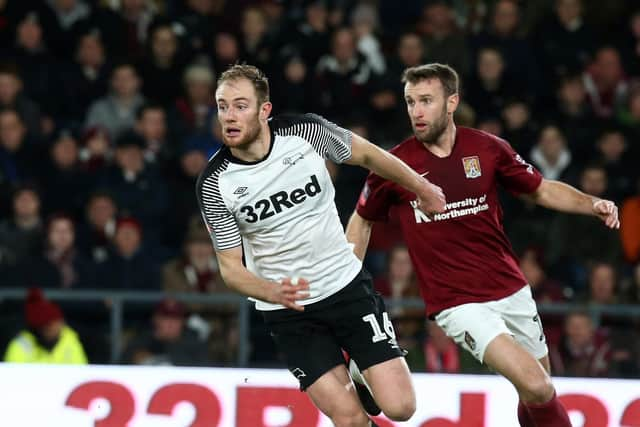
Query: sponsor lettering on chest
{"points": [[278, 202]]}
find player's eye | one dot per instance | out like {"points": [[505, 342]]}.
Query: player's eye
{"points": [[222, 108]]}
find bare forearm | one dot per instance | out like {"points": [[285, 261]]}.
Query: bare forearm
{"points": [[358, 233], [564, 198], [385, 165], [241, 280]]}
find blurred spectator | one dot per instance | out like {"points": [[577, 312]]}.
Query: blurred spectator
{"points": [[68, 15], [489, 88], [342, 77], [443, 41], [520, 128], [151, 125], [195, 111], [136, 17], [603, 284], [544, 289], [255, 45], [551, 155], [364, 21], [169, 342], [38, 67], [19, 159], [99, 228], [225, 51], [605, 82], [582, 351], [574, 115], [11, 96], [21, 236], [116, 111], [613, 154], [86, 78], [564, 42], [441, 352], [163, 62], [505, 33], [65, 185], [387, 91], [60, 264], [575, 240], [193, 159], [198, 23], [47, 339], [630, 226], [137, 186], [197, 271], [291, 86], [311, 36], [96, 151], [129, 265], [399, 283]]}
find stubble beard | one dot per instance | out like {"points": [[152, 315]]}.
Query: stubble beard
{"points": [[252, 134], [437, 128]]}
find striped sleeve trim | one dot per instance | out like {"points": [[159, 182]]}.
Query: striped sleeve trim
{"points": [[219, 220], [328, 139]]}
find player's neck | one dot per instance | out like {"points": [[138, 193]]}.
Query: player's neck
{"points": [[443, 146], [255, 150]]}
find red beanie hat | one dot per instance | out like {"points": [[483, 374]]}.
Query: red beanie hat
{"points": [[38, 311]]}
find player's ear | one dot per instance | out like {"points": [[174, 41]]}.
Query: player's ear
{"points": [[452, 103], [265, 110]]}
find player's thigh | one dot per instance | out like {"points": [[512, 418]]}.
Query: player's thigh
{"points": [[472, 326], [521, 316], [334, 394], [309, 347], [391, 385], [505, 356]]}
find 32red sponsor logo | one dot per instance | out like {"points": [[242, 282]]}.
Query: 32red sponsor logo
{"points": [[252, 403]]}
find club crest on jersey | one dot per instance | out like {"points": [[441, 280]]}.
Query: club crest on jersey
{"points": [[293, 159], [472, 166]]}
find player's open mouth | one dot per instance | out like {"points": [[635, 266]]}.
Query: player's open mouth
{"points": [[232, 131], [421, 126]]}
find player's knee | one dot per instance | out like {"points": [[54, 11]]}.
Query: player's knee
{"points": [[352, 419], [401, 409], [538, 389]]}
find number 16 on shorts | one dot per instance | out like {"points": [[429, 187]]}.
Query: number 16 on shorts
{"points": [[378, 334]]}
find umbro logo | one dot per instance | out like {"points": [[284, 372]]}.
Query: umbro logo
{"points": [[241, 192], [293, 159]]}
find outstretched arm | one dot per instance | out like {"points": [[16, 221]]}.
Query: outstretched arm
{"points": [[237, 277], [358, 233], [430, 197], [565, 198]]}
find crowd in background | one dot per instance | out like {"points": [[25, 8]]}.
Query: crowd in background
{"points": [[107, 118]]}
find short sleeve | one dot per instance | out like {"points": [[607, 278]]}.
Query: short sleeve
{"points": [[376, 199], [328, 139], [220, 222], [514, 173]]}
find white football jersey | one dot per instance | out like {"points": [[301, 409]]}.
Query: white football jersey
{"points": [[281, 209]]}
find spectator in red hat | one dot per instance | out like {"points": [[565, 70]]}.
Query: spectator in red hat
{"points": [[47, 339], [169, 342]]}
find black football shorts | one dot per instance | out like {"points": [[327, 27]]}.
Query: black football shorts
{"points": [[353, 319]]}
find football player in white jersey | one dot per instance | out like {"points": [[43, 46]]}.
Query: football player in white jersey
{"points": [[267, 200]]}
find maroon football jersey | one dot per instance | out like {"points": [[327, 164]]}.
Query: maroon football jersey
{"points": [[461, 255]]}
